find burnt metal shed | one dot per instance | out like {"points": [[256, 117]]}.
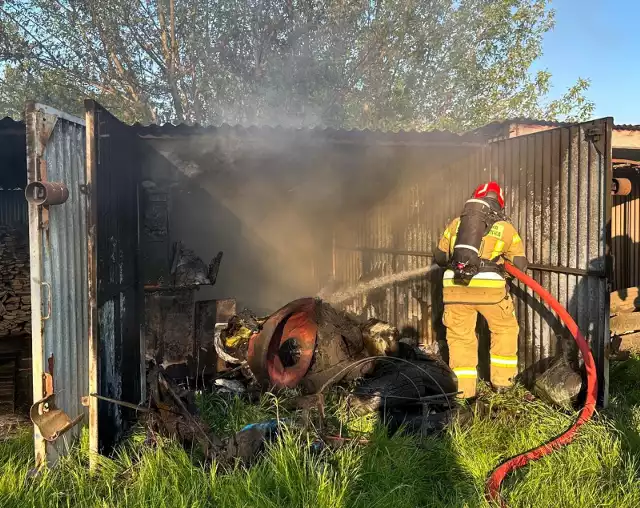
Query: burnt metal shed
{"points": [[293, 210], [269, 197], [319, 205]]}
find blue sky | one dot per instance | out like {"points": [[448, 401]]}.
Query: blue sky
{"points": [[598, 40]]}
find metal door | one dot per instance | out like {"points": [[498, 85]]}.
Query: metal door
{"points": [[117, 369], [558, 192], [59, 292]]}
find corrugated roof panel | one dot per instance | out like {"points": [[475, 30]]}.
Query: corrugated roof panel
{"points": [[533, 121], [627, 127], [319, 133]]}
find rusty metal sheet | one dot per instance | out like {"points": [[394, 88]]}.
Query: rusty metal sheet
{"points": [[58, 258], [117, 300], [557, 186]]}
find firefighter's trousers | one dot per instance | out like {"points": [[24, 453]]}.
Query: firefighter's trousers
{"points": [[460, 321]]}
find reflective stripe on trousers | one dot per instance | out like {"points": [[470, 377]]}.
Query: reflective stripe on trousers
{"points": [[504, 361], [467, 381], [466, 372], [460, 321]]}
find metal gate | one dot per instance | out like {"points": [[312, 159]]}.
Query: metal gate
{"points": [[117, 369], [59, 292], [558, 186]]}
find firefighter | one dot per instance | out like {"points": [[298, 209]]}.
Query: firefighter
{"points": [[471, 250]]}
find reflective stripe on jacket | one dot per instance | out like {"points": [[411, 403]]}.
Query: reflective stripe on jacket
{"points": [[481, 280]]}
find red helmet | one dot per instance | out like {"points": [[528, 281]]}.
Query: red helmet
{"points": [[486, 189]]}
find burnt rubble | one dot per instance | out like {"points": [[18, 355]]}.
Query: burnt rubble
{"points": [[303, 350], [300, 353]]}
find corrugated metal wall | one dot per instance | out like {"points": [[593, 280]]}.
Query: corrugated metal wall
{"points": [[625, 235], [58, 244], [401, 234], [557, 184], [13, 208]]}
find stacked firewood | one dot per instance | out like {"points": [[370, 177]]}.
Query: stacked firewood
{"points": [[15, 292]]}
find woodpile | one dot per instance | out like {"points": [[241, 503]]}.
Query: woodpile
{"points": [[15, 290]]}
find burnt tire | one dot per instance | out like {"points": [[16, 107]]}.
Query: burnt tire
{"points": [[397, 383]]}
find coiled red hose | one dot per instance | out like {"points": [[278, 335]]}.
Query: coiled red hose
{"points": [[499, 474]]}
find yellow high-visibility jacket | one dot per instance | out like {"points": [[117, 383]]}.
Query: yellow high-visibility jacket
{"points": [[501, 242]]}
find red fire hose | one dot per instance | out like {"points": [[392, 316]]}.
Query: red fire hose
{"points": [[499, 474]]}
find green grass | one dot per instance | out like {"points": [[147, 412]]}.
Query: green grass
{"points": [[599, 469]]}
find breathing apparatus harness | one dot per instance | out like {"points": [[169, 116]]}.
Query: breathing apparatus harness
{"points": [[476, 220]]}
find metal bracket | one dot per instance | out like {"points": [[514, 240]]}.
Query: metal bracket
{"points": [[49, 122], [595, 133], [564, 270], [51, 421]]}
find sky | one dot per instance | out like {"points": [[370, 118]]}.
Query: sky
{"points": [[598, 40]]}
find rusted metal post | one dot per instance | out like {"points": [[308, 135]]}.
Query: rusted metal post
{"points": [[34, 148]]}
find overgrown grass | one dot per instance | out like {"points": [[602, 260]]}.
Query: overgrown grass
{"points": [[599, 469]]}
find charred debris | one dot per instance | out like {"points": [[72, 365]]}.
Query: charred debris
{"points": [[309, 353], [306, 352]]}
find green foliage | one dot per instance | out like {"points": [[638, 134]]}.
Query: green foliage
{"points": [[386, 64]]}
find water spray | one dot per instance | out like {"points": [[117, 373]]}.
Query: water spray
{"points": [[342, 296]]}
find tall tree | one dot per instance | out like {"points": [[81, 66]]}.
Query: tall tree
{"points": [[389, 64]]}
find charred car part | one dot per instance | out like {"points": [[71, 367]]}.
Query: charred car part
{"points": [[187, 269], [311, 345], [394, 384], [296, 322], [304, 344]]}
